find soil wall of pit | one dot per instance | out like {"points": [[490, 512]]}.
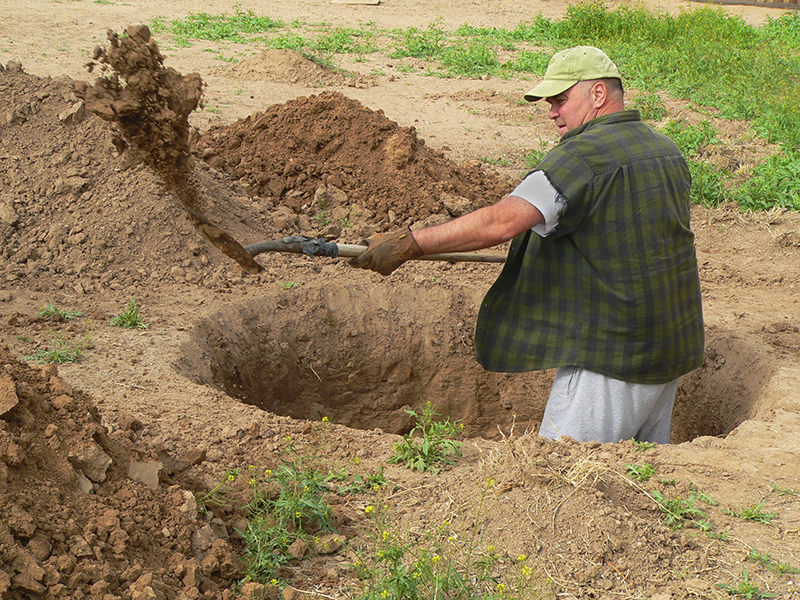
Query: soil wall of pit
{"points": [[362, 356]]}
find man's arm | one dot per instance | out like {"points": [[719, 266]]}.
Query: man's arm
{"points": [[483, 228]]}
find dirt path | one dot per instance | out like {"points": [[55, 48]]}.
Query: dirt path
{"points": [[311, 338]]}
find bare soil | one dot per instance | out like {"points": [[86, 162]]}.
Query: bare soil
{"points": [[100, 459]]}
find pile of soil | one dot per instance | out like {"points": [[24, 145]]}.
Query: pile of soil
{"points": [[286, 153], [83, 513]]}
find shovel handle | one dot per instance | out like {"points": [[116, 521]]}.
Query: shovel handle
{"points": [[353, 250]]}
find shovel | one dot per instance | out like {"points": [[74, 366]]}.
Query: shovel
{"points": [[301, 244]]}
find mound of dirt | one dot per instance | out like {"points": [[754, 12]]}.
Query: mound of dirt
{"points": [[290, 66], [288, 151], [73, 522]]}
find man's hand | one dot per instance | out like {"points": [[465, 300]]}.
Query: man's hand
{"points": [[387, 251]]}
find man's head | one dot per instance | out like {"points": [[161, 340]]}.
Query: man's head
{"points": [[580, 84]]}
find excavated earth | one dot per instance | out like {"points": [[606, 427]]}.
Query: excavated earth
{"points": [[102, 460]]}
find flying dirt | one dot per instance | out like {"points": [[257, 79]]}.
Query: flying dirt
{"points": [[152, 109]]}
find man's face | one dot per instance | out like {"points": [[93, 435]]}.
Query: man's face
{"points": [[572, 108]]}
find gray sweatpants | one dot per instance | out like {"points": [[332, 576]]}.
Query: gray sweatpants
{"points": [[589, 407]]}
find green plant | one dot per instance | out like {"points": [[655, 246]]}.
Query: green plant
{"points": [[217, 496], [643, 446], [429, 445], [678, 512], [746, 589], [640, 472], [287, 503], [50, 312], [776, 567], [784, 491], [753, 513], [288, 285], [651, 106], [62, 351], [322, 218], [129, 318], [438, 563]]}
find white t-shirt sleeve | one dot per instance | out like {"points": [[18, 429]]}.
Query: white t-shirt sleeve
{"points": [[537, 190]]}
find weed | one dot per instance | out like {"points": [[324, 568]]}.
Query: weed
{"points": [[535, 156], [745, 589], [767, 561], [430, 451], [784, 491], [217, 496], [322, 218], [678, 512], [50, 313], [640, 472], [438, 564], [753, 513], [129, 318], [650, 106], [643, 446], [504, 162], [62, 351], [288, 285]]}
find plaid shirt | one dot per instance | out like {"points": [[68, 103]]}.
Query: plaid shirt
{"points": [[614, 289]]}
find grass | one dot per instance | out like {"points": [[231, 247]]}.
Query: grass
{"points": [[129, 318]]}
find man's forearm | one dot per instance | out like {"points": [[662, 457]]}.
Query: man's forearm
{"points": [[483, 228]]}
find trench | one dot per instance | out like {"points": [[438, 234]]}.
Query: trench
{"points": [[364, 355]]}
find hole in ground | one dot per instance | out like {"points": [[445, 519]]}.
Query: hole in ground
{"points": [[362, 355]]}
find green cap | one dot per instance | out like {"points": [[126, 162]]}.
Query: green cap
{"points": [[568, 67]]}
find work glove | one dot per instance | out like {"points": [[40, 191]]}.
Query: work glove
{"points": [[387, 251]]}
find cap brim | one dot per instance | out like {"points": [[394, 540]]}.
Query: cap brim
{"points": [[549, 88]]}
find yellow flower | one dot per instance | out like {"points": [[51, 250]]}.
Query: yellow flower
{"points": [[231, 477], [526, 571], [297, 514], [490, 549], [436, 558], [501, 587], [369, 509], [252, 482], [274, 582], [521, 557], [490, 482], [268, 472], [324, 419], [376, 487], [385, 535], [251, 467]]}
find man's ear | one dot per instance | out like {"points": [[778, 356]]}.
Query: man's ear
{"points": [[599, 94]]}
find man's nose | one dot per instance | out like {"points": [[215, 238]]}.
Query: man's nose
{"points": [[553, 113]]}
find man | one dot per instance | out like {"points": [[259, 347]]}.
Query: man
{"points": [[601, 277]]}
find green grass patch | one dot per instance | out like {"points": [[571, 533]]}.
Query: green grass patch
{"points": [[429, 446]]}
